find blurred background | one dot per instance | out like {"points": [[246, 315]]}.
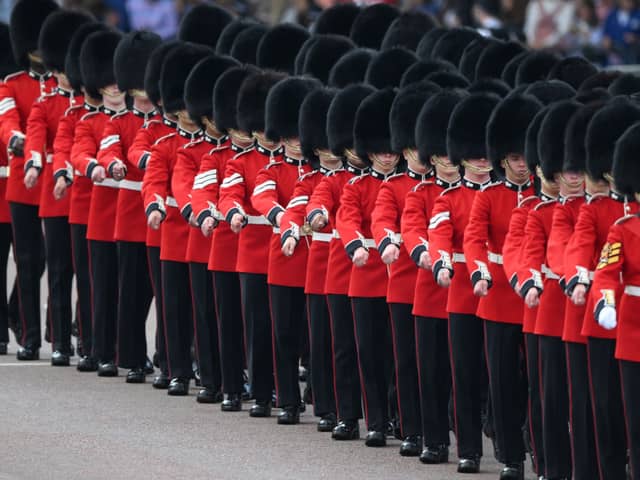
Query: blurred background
{"points": [[605, 31]]}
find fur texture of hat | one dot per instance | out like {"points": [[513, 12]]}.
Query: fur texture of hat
{"points": [[388, 66], [301, 56], [573, 70], [323, 55], [55, 36], [337, 19], [229, 34], [598, 94], [245, 46], [131, 58], [495, 57], [626, 165], [313, 123], [602, 79], [428, 41], [72, 59], [351, 68], [371, 130], [451, 45], [575, 154], [27, 17], [551, 137], [96, 61], [511, 69], [252, 100], [8, 64], [278, 47], [154, 67], [448, 79], [404, 113], [549, 91], [490, 85], [471, 55], [423, 68], [203, 24], [342, 115], [225, 96], [531, 155], [536, 66], [371, 24], [408, 29], [626, 84], [283, 107]]}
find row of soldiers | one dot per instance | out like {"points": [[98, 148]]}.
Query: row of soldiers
{"points": [[427, 205]]}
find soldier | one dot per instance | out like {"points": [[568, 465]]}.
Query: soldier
{"points": [[17, 95]]}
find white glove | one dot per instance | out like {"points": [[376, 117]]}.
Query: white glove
{"points": [[607, 318]]}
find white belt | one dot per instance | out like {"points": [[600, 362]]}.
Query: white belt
{"points": [[632, 290], [257, 220], [171, 202], [396, 238], [335, 233], [276, 230], [131, 185], [4, 172], [495, 258], [369, 242], [550, 274], [459, 258], [322, 237], [108, 182], [49, 158]]}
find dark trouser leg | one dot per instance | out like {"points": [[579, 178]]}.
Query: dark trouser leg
{"points": [[227, 302], [606, 397], [345, 358], [80, 251], [104, 285], [534, 400], [435, 379], [324, 400], [5, 245], [134, 299], [206, 330], [288, 314], [403, 330], [59, 275], [155, 274], [466, 340], [555, 408], [178, 320], [630, 378], [373, 339], [28, 251], [255, 310], [503, 342]]}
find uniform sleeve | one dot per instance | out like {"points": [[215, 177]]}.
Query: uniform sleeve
{"points": [[155, 181], [441, 235], [62, 144], [204, 195], [414, 225], [9, 114], [265, 194], [476, 236], [184, 173], [533, 254], [607, 275], [349, 218], [513, 245], [559, 236], [140, 150], [321, 201], [581, 249], [35, 144], [385, 218], [233, 191], [295, 214], [111, 148], [84, 149]]}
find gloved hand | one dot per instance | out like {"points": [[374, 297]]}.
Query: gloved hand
{"points": [[607, 318]]}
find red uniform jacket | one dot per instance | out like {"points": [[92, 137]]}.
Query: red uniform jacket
{"points": [[385, 225], [17, 95], [272, 192], [449, 218], [326, 200], [483, 241], [583, 252], [430, 299], [235, 197], [158, 194], [353, 222], [621, 257]]}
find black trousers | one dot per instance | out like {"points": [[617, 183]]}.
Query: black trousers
{"points": [[466, 344], [606, 397], [155, 275], [80, 251], [289, 318], [324, 399], [503, 342], [178, 318], [257, 327], [404, 329], [585, 461], [555, 408], [104, 292], [28, 247], [435, 379], [345, 358], [226, 288], [373, 339], [534, 400], [10, 308], [630, 377], [134, 300]]}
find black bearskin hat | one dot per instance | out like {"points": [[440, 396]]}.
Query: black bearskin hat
{"points": [[404, 112], [283, 107], [96, 61], [471, 55], [551, 137], [301, 56], [313, 123], [549, 91], [626, 84], [225, 96], [252, 100], [511, 68], [342, 115], [72, 59], [597, 94], [451, 45], [495, 58], [603, 79], [428, 41], [371, 130], [388, 66], [245, 46], [323, 55], [8, 64], [337, 19], [25, 23], [490, 85], [626, 167], [203, 24], [371, 24], [408, 29], [131, 58], [56, 34], [351, 68], [423, 68], [531, 151], [229, 34], [575, 154], [448, 79], [573, 70], [536, 66], [278, 47], [154, 67]]}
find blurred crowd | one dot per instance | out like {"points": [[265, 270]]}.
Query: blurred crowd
{"points": [[606, 32]]}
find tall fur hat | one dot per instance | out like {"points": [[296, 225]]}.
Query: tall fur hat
{"points": [[153, 69], [573, 70], [203, 24], [245, 46], [451, 45], [252, 100], [507, 128], [495, 57], [351, 67], [342, 115], [471, 55], [431, 125], [8, 64], [387, 67], [428, 41], [551, 137], [278, 47], [448, 79], [225, 96], [337, 19], [604, 129], [598, 94], [511, 68], [25, 23], [283, 106], [626, 84], [423, 68], [301, 56], [549, 91], [603, 79], [626, 167], [198, 88], [131, 58], [229, 34], [313, 123], [575, 154], [175, 70], [531, 151], [490, 85], [536, 66], [371, 24], [72, 59], [55, 36], [96, 61], [371, 130], [323, 55], [467, 128], [408, 29], [404, 112]]}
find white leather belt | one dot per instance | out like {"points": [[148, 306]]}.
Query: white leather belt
{"points": [[335, 233], [257, 220], [495, 258], [322, 237], [550, 273], [171, 202], [131, 185], [369, 242], [108, 182], [459, 258], [218, 215], [4, 172], [396, 238], [632, 290]]}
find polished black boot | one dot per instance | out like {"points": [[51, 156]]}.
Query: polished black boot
{"points": [[512, 471], [260, 409], [375, 439], [87, 364], [178, 387], [3, 348], [161, 382], [411, 446], [232, 403], [136, 375], [327, 423], [148, 367], [289, 416], [346, 430], [28, 353], [59, 359], [469, 465], [107, 369], [433, 455], [209, 395]]}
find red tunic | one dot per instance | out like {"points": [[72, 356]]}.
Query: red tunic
{"points": [[17, 95], [483, 241]]}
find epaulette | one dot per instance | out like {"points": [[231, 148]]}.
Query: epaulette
{"points": [[395, 175], [14, 74], [308, 174], [119, 114], [71, 109], [166, 137], [89, 114], [597, 196], [218, 149], [422, 185], [244, 152], [193, 143], [355, 180], [524, 201], [148, 123], [491, 185], [545, 204], [621, 220], [450, 189], [272, 164]]}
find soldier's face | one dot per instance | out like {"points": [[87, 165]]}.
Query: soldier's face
{"points": [[516, 167], [571, 182], [112, 92], [385, 162]]}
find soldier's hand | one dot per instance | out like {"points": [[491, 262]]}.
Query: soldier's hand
{"points": [[208, 224], [16, 145], [532, 299], [98, 174], [360, 257], [390, 254], [118, 171], [192, 221], [237, 223], [425, 260], [481, 288], [444, 277], [289, 246], [60, 188], [279, 219], [579, 295], [154, 219], [31, 177], [318, 223]]}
